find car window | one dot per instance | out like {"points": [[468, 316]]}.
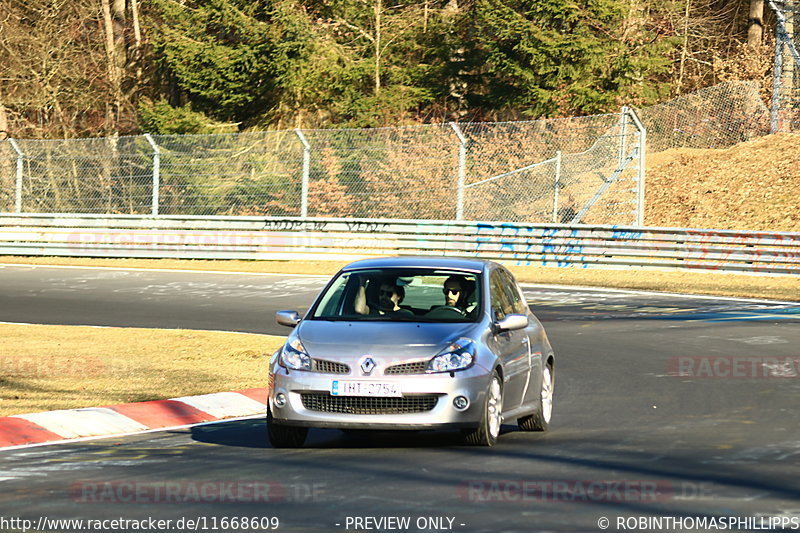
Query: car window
{"points": [[501, 303], [424, 295], [514, 293]]}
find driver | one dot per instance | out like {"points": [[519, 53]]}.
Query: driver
{"points": [[454, 292], [457, 290]]}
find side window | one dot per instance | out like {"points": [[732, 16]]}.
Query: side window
{"points": [[332, 301], [501, 305], [515, 295]]}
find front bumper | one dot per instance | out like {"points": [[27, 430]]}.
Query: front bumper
{"points": [[471, 383]]}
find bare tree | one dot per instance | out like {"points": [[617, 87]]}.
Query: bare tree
{"points": [[54, 83], [385, 27], [709, 33]]}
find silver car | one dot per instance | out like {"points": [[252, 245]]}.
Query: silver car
{"points": [[413, 343]]}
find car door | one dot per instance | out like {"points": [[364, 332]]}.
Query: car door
{"points": [[510, 346], [535, 335]]}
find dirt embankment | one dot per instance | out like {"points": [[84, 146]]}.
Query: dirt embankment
{"points": [[754, 185]]}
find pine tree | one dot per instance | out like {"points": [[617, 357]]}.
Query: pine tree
{"points": [[550, 57]]}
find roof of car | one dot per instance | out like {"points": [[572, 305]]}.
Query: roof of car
{"points": [[455, 263]]}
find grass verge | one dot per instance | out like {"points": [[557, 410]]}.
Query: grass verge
{"points": [[63, 367]]}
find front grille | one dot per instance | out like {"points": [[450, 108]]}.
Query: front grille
{"points": [[329, 367], [368, 405], [417, 367]]}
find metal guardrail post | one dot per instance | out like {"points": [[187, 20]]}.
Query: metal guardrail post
{"points": [[556, 187], [156, 173], [642, 149], [306, 173], [462, 172], [20, 165]]}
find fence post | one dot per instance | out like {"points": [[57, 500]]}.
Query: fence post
{"points": [[556, 187], [787, 61], [18, 186], [642, 153], [462, 172], [776, 82], [790, 65], [623, 132], [156, 172], [306, 172]]}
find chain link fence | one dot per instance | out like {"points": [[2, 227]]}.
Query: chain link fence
{"points": [[715, 117], [569, 170], [786, 82], [584, 170], [575, 170]]}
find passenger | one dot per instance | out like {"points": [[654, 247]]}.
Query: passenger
{"points": [[390, 295]]}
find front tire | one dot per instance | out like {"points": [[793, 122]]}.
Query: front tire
{"points": [[540, 420], [281, 436], [489, 428]]}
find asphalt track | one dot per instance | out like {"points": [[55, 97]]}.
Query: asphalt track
{"points": [[665, 407]]}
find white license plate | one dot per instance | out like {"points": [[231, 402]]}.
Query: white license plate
{"points": [[364, 388]]}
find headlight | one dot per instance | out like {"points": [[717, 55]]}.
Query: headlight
{"points": [[458, 356], [294, 356]]}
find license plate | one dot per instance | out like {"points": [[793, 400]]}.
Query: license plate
{"points": [[365, 388]]}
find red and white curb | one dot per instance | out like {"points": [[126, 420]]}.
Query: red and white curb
{"points": [[125, 419]]}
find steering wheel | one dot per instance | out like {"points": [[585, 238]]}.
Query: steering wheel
{"points": [[445, 310]]}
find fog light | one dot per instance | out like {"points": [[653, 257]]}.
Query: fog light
{"points": [[280, 399], [460, 403]]}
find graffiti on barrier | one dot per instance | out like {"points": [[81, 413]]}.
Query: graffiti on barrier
{"points": [[366, 227], [530, 245], [625, 234], [563, 253], [295, 225]]}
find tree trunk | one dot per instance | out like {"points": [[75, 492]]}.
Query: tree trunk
{"points": [[137, 43], [120, 25], [3, 123], [114, 76], [755, 24], [7, 178], [685, 47], [378, 12]]}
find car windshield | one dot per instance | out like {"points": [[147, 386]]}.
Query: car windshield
{"points": [[409, 295]]}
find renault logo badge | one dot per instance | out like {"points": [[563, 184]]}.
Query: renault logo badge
{"points": [[367, 365]]}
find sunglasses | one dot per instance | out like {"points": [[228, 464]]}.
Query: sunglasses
{"points": [[454, 291], [385, 292]]}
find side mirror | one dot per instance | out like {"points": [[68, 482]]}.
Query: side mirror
{"points": [[287, 318], [512, 322]]}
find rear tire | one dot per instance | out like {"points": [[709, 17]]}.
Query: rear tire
{"points": [[540, 420], [281, 436], [489, 428]]}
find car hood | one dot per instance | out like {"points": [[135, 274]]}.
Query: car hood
{"points": [[392, 339]]}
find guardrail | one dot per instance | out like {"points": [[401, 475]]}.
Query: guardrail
{"points": [[329, 238]]}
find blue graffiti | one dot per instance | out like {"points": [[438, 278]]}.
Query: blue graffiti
{"points": [[625, 234], [482, 239], [562, 253], [561, 247]]}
